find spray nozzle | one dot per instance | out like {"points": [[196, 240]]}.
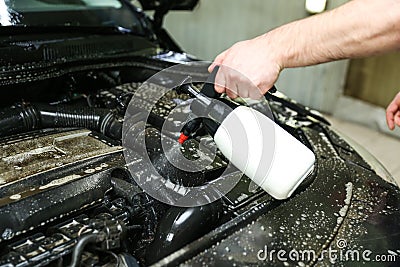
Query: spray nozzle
{"points": [[190, 127], [203, 99]]}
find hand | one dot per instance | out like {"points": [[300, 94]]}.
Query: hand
{"points": [[393, 112], [247, 69]]}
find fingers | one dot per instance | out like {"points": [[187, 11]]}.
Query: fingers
{"points": [[232, 91], [219, 83], [393, 113], [235, 83], [232, 94], [255, 93], [246, 70], [397, 118], [217, 61], [390, 120], [225, 82]]}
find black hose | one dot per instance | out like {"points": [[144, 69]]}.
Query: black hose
{"points": [[126, 190], [24, 118], [80, 246]]}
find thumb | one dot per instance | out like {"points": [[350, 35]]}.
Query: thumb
{"points": [[217, 61]]}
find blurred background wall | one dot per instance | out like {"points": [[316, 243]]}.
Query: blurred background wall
{"points": [[217, 24]]}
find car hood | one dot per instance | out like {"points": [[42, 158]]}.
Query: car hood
{"points": [[170, 5]]}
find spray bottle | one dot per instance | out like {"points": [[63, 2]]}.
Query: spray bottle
{"points": [[257, 146]]}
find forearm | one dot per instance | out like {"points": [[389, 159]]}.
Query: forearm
{"points": [[357, 29]]}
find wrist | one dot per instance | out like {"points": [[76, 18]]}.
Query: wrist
{"points": [[272, 52]]}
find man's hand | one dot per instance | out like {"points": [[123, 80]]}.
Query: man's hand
{"points": [[247, 69], [358, 28], [393, 113]]}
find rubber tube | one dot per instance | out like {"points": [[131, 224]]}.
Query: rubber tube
{"points": [[25, 118]]}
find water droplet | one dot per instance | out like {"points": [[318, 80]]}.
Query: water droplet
{"points": [[15, 197]]}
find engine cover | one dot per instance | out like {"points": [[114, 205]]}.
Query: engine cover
{"points": [[52, 173]]}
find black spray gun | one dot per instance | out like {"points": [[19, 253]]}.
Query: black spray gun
{"points": [[250, 140]]}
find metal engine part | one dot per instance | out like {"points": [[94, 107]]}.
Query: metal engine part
{"points": [[44, 176]]}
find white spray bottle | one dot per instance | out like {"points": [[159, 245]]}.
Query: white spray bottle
{"points": [[257, 146]]}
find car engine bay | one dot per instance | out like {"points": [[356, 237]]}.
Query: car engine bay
{"points": [[67, 197], [69, 192], [63, 175]]}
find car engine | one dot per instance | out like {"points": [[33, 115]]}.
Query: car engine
{"points": [[68, 198]]}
